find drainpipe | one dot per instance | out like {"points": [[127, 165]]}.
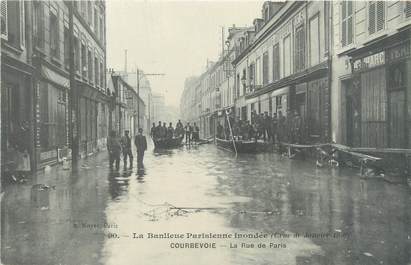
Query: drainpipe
{"points": [[73, 99]]}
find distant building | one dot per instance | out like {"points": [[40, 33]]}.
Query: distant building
{"points": [[125, 103], [206, 97], [158, 108], [145, 94]]}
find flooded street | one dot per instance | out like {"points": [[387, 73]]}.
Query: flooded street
{"points": [[97, 216]]}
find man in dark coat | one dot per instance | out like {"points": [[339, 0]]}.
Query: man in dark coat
{"points": [[126, 146], [188, 130], [196, 133], [153, 133], [170, 131], [219, 131], [141, 146], [114, 149], [158, 130], [274, 132]]}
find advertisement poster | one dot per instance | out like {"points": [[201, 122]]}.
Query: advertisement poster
{"points": [[205, 132]]}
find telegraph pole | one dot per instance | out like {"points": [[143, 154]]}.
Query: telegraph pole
{"points": [[138, 91], [138, 99]]}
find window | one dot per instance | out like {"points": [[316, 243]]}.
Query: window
{"points": [[300, 48], [38, 24], [13, 23], [265, 68], [314, 41], [258, 71], [287, 55], [90, 13], [77, 55], [90, 67], [102, 70], [251, 75], [276, 62], [376, 16], [54, 33], [346, 23], [244, 84], [84, 60], [96, 73], [4, 28], [407, 9], [66, 47], [266, 14], [101, 30], [83, 9], [96, 27]]}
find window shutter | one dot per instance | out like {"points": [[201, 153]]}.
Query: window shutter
{"points": [[371, 18], [349, 30], [4, 26], [407, 9], [380, 15], [344, 33]]}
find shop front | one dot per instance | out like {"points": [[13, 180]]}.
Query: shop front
{"points": [[17, 129], [53, 91], [377, 96]]}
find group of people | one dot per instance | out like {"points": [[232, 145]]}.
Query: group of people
{"points": [[162, 131], [271, 128], [116, 146]]}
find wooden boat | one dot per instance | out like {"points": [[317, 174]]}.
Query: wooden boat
{"points": [[168, 143], [241, 145]]}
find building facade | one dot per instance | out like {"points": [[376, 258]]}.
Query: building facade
{"points": [[145, 94], [37, 35], [371, 89], [283, 65], [206, 97]]}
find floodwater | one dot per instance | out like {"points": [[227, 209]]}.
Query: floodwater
{"points": [[303, 214]]}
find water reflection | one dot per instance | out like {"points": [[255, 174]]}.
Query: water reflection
{"points": [[118, 183], [252, 193]]}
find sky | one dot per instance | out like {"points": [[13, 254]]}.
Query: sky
{"points": [[175, 38]]}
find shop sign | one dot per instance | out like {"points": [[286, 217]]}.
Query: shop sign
{"points": [[399, 52], [369, 62]]}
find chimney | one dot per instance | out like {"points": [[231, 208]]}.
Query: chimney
{"points": [[125, 61]]}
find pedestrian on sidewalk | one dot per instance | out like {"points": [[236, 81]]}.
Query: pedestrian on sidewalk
{"points": [[141, 146], [114, 149], [126, 146]]}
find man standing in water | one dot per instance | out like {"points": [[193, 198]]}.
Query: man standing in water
{"points": [[114, 149], [153, 132], [188, 130], [126, 146], [141, 146]]}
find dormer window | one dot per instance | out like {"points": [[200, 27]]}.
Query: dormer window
{"points": [[266, 14]]}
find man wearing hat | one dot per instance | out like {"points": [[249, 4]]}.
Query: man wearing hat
{"points": [[141, 146]]}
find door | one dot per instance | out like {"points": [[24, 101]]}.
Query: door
{"points": [[353, 112], [397, 119]]}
